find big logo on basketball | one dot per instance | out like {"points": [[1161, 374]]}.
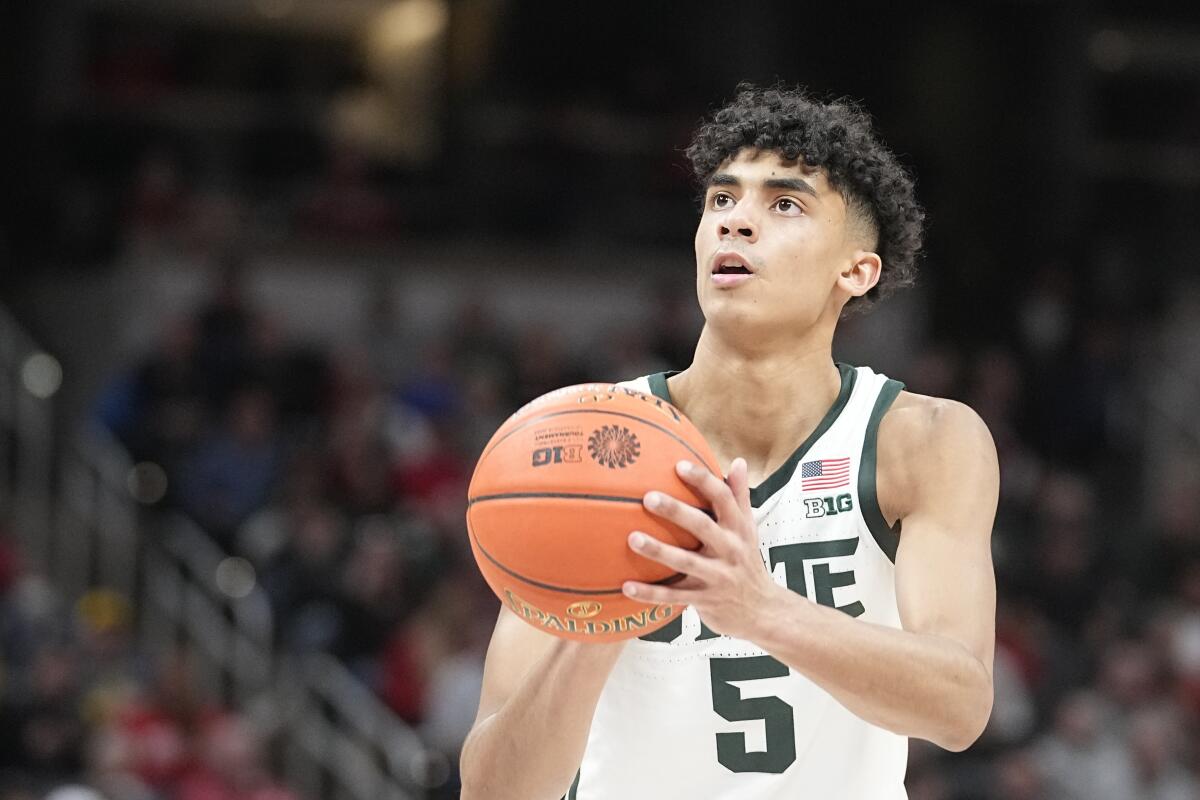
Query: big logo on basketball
{"points": [[614, 446]]}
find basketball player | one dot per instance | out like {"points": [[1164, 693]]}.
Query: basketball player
{"points": [[843, 598]]}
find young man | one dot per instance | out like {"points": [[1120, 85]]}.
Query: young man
{"points": [[843, 598]]}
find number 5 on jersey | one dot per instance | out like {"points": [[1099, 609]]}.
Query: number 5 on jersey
{"points": [[778, 717]]}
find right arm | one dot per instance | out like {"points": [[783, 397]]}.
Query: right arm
{"points": [[539, 695]]}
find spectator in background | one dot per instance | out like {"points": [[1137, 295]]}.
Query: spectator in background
{"points": [[231, 765], [42, 731], [997, 390], [432, 667], [41, 728], [937, 370], [542, 364], [1131, 679], [372, 595], [233, 471], [225, 326], [1017, 778], [388, 342], [1181, 619], [485, 406], [1171, 452], [1155, 739], [302, 578], [296, 375], [147, 746], [1066, 566], [110, 665], [159, 409], [675, 324], [160, 198], [1082, 757], [629, 350], [478, 342], [345, 203], [359, 458], [1013, 711]]}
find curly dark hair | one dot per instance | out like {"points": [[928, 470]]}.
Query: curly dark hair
{"points": [[836, 136]]}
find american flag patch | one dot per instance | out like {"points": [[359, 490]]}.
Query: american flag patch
{"points": [[828, 473]]}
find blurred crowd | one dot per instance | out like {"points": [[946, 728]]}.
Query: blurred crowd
{"points": [[86, 714], [341, 474]]}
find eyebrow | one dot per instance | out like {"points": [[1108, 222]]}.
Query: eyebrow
{"points": [[794, 184]]}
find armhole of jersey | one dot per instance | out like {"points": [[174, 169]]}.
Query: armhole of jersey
{"points": [[887, 538]]}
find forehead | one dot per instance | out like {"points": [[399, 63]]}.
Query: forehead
{"points": [[750, 165]]}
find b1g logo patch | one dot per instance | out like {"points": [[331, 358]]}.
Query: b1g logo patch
{"points": [[827, 506], [614, 446]]}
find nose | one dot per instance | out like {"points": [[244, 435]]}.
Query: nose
{"points": [[737, 224]]}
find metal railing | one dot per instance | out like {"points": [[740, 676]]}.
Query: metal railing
{"points": [[337, 739], [93, 537], [77, 521], [26, 438]]}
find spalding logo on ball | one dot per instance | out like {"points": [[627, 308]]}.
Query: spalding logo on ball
{"points": [[556, 494]]}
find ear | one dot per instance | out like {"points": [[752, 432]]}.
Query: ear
{"points": [[862, 273]]}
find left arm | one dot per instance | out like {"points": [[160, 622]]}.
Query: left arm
{"points": [[933, 678]]}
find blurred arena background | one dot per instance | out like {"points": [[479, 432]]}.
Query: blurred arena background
{"points": [[273, 270]]}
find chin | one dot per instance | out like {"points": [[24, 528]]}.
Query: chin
{"points": [[736, 317], [733, 316]]}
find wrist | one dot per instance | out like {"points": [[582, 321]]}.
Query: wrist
{"points": [[784, 612]]}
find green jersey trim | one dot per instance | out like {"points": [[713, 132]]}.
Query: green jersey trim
{"points": [[887, 538], [573, 793], [780, 477], [658, 385]]}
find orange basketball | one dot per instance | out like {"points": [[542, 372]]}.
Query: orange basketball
{"points": [[556, 494]]}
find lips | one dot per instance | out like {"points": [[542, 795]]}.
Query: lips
{"points": [[730, 270], [730, 264]]}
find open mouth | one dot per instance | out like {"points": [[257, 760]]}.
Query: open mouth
{"points": [[730, 264]]}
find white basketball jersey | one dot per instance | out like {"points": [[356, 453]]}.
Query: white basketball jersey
{"points": [[689, 714]]}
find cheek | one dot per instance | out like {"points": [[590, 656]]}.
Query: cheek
{"points": [[809, 270], [703, 240], [704, 246], [814, 251]]}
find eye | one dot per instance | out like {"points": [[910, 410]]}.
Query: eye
{"points": [[721, 200], [787, 205]]}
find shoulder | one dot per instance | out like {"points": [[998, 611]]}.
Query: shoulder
{"points": [[922, 422], [930, 445]]}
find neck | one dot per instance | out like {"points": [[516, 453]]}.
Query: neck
{"points": [[757, 405]]}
